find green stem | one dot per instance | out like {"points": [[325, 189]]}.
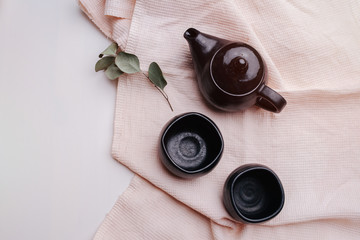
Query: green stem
{"points": [[162, 92], [165, 96]]}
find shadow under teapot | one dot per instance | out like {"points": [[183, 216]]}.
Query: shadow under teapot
{"points": [[231, 75]]}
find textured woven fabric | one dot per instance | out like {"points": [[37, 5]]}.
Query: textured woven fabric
{"points": [[312, 50], [145, 212]]}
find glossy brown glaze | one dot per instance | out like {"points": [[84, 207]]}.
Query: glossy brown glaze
{"points": [[231, 75], [237, 68]]}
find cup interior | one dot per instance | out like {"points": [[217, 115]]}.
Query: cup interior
{"points": [[257, 195], [192, 143]]}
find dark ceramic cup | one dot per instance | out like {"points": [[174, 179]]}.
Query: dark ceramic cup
{"points": [[191, 145], [253, 193]]}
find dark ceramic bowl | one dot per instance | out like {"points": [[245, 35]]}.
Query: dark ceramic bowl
{"points": [[253, 193], [191, 145]]}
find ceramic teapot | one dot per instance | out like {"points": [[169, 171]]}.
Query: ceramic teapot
{"points": [[231, 75]]}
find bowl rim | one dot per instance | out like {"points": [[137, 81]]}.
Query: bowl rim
{"points": [[202, 116], [232, 198]]}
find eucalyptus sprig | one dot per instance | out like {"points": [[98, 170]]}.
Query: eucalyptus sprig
{"points": [[116, 62]]}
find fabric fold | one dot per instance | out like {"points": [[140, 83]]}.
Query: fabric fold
{"points": [[112, 17], [311, 51], [120, 9], [145, 212]]}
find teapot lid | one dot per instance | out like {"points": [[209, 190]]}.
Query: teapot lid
{"points": [[237, 68]]}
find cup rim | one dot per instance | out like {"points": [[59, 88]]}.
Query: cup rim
{"points": [[243, 94], [251, 168], [178, 118]]}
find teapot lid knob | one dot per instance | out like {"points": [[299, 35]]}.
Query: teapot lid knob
{"points": [[239, 65]]}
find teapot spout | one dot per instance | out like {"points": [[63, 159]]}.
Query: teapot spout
{"points": [[202, 47], [191, 34]]}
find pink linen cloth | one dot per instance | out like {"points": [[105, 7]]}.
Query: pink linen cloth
{"points": [[312, 50]]}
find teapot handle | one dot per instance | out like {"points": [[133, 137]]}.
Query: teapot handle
{"points": [[270, 100]]}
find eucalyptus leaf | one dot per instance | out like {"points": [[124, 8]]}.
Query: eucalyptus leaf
{"points": [[110, 50], [104, 63], [156, 76], [128, 63], [113, 72]]}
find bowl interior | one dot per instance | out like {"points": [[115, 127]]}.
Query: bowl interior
{"points": [[192, 142], [257, 195]]}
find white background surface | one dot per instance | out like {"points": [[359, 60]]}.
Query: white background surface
{"points": [[57, 177]]}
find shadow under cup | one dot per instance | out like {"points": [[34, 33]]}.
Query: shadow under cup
{"points": [[253, 193]]}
